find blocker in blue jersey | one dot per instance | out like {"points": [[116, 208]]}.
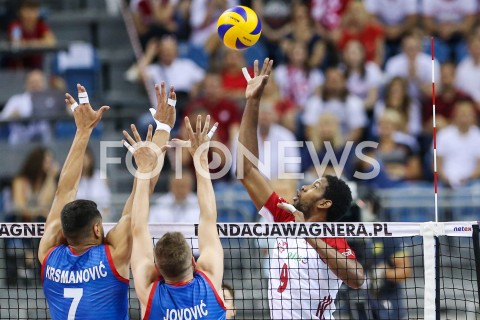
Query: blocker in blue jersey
{"points": [[179, 289]]}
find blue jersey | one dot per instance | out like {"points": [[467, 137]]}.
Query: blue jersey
{"points": [[196, 299], [85, 286]]}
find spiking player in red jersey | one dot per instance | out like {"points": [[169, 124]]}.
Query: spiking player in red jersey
{"points": [[305, 274]]}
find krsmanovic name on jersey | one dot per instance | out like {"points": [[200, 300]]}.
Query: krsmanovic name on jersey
{"points": [[76, 276]]}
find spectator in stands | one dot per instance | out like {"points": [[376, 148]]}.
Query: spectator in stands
{"points": [[93, 187], [203, 20], [397, 18], [33, 188], [181, 72], [296, 80], [389, 265], [274, 143], [303, 30], [397, 98], [155, 19], [20, 106], [364, 78], [413, 65], [229, 299], [446, 98], [285, 108], [29, 31], [400, 160], [468, 71], [233, 82], [335, 98], [276, 16], [180, 204], [218, 106], [326, 138], [327, 15], [357, 25], [451, 22], [458, 147]]}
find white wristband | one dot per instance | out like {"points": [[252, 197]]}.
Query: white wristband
{"points": [[83, 97], [160, 126], [246, 74], [74, 106]]}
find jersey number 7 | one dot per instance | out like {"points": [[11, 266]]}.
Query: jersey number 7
{"points": [[76, 294]]}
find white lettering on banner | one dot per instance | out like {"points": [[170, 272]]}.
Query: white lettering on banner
{"points": [[77, 276], [196, 312]]}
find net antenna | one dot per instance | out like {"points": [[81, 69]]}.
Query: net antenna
{"points": [[435, 174]]}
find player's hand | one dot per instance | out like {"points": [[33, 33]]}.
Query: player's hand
{"points": [[256, 84], [299, 217], [85, 117], [200, 139], [164, 112], [146, 153]]}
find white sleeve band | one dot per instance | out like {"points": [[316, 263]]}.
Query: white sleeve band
{"points": [[246, 74], [128, 146], [212, 132], [83, 97], [160, 126], [74, 106], [172, 102]]}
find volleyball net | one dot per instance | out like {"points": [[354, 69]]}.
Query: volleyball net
{"points": [[414, 270]]}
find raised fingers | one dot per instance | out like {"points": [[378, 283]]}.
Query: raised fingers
{"points": [[128, 137], [149, 133], [207, 125], [269, 67], [135, 133], [188, 126], [255, 68], [198, 132]]}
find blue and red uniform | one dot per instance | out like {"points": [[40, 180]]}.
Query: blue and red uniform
{"points": [[85, 286], [196, 299]]}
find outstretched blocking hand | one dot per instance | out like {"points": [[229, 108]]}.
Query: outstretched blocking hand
{"points": [[256, 85], [146, 153], [165, 113], [200, 138], [85, 116]]}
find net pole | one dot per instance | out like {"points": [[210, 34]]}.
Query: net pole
{"points": [[435, 175], [476, 253], [437, 278]]}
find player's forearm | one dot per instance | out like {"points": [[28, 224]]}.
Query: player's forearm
{"points": [[72, 168], [205, 194], [160, 138], [140, 206], [346, 269], [248, 133]]}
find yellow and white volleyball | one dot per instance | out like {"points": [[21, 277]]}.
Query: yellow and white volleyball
{"points": [[239, 27]]}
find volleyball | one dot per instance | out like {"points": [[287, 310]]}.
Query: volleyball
{"points": [[239, 27]]}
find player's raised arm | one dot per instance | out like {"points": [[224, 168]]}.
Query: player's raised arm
{"points": [[85, 120], [211, 252], [142, 261], [119, 238], [247, 170]]}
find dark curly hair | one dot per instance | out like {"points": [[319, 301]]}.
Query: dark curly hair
{"points": [[339, 193]]}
